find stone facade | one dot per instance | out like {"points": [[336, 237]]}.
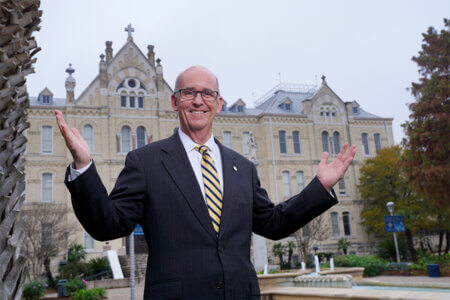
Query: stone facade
{"points": [[128, 105]]}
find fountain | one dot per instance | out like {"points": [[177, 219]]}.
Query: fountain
{"points": [[330, 281]]}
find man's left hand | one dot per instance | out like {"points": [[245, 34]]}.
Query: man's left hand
{"points": [[330, 174]]}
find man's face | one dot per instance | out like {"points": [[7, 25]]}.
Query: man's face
{"points": [[196, 115]]}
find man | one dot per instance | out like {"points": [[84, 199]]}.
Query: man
{"points": [[197, 201]]}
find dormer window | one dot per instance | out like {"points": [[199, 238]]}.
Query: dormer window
{"points": [[286, 104], [240, 108], [45, 97], [355, 110]]}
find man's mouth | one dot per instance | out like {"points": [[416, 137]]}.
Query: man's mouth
{"points": [[198, 112]]}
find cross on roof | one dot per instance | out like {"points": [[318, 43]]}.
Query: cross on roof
{"points": [[129, 29]]}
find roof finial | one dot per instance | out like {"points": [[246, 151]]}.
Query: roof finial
{"points": [[323, 79], [70, 70], [129, 29]]}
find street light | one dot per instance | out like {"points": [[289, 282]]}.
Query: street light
{"points": [[390, 207]]}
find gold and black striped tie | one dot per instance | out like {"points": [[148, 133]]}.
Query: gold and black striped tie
{"points": [[213, 191]]}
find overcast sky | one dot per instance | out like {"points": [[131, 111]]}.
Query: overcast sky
{"points": [[363, 47]]}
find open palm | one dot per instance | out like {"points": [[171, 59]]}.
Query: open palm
{"points": [[330, 174], [74, 141]]}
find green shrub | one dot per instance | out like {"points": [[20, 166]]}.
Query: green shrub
{"points": [[93, 294], [100, 292], [372, 265], [75, 284], [386, 249], [427, 259], [97, 265], [33, 291]]}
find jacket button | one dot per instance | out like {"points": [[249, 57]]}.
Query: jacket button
{"points": [[219, 285]]}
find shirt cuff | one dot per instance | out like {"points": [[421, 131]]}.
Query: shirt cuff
{"points": [[74, 173]]}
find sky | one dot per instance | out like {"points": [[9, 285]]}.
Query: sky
{"points": [[364, 48]]}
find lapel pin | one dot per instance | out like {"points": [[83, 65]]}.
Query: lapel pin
{"points": [[234, 168]]}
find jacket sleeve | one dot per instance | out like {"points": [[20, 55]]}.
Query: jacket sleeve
{"points": [[280, 221], [109, 217]]}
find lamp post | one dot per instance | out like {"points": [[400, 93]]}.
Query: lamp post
{"points": [[390, 207]]}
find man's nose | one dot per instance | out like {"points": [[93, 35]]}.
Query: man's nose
{"points": [[198, 98]]}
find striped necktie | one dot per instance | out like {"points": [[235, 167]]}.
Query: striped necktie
{"points": [[213, 191]]}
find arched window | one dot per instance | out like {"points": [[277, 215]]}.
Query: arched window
{"points": [[141, 100], [125, 139], [342, 188], [123, 99], [346, 221], [47, 187], [286, 177], [140, 136], [132, 100], [282, 138], [88, 135], [365, 143], [296, 140], [377, 140], [325, 142], [335, 224], [88, 240], [228, 139], [336, 143], [300, 181]]}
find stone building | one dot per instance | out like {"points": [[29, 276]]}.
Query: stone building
{"points": [[127, 105]]}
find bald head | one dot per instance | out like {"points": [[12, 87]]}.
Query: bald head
{"points": [[194, 71]]}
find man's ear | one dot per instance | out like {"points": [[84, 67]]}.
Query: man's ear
{"points": [[174, 102]]}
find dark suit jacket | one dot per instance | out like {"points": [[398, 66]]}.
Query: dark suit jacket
{"points": [[157, 188]]}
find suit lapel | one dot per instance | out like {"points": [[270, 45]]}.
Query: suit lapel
{"points": [[177, 164], [229, 168]]}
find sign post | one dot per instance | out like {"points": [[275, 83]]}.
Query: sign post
{"points": [[394, 224]]}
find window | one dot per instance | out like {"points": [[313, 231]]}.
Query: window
{"points": [[282, 138], [245, 141], [297, 145], [46, 99], [88, 136], [377, 140], [47, 187], [325, 142], [140, 136], [287, 106], [132, 100], [88, 241], [300, 181], [335, 224], [286, 184], [46, 235], [126, 139], [365, 143], [47, 139], [123, 100], [240, 108], [141, 101], [355, 110], [346, 221], [341, 185], [336, 143], [228, 139]]}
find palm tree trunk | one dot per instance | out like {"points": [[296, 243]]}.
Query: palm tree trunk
{"points": [[18, 21]]}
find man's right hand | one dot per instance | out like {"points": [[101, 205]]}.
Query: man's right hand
{"points": [[74, 141]]}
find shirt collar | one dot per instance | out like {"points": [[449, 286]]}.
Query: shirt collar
{"points": [[190, 145]]}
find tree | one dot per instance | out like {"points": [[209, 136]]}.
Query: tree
{"points": [[19, 19], [316, 230], [343, 245], [426, 160], [46, 231], [290, 246], [76, 253], [382, 181]]}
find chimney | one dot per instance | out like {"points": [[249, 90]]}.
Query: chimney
{"points": [[70, 85], [159, 75], [102, 71], [108, 51], [151, 54]]}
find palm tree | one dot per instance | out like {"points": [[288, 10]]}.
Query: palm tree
{"points": [[343, 245], [19, 19]]}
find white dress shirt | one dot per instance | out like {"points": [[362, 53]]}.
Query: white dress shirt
{"points": [[195, 158]]}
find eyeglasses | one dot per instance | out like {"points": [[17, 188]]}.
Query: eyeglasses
{"points": [[190, 94]]}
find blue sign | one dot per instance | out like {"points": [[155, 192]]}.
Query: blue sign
{"points": [[138, 230], [394, 223]]}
